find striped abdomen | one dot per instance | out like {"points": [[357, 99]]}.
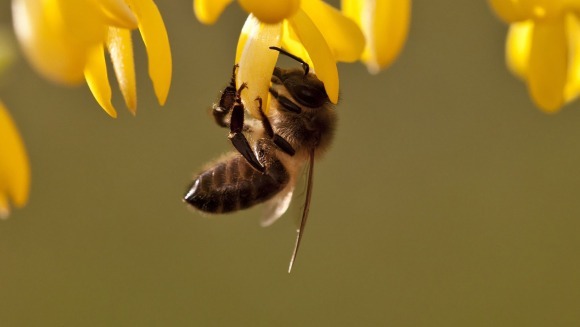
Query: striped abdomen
{"points": [[233, 184]]}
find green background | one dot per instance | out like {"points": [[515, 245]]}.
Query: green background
{"points": [[447, 198]]}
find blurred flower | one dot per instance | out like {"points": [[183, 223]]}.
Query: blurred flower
{"points": [[543, 48], [64, 41], [309, 29], [7, 53], [385, 25], [14, 168]]}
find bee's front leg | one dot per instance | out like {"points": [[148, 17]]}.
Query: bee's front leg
{"points": [[227, 101], [237, 136], [277, 139]]}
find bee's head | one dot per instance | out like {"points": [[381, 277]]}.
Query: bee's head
{"points": [[303, 86], [307, 89]]}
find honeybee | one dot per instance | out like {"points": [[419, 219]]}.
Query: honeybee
{"points": [[298, 128]]}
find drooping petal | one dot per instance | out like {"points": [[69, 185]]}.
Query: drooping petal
{"points": [[385, 25], [518, 44], [4, 206], [342, 34], [81, 21], [257, 62], [208, 11], [250, 25], [117, 13], [548, 65], [14, 166], [120, 48], [154, 35], [98, 80], [271, 12], [572, 89], [323, 61], [57, 45], [292, 44]]}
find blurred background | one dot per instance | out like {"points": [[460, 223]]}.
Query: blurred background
{"points": [[447, 198]]}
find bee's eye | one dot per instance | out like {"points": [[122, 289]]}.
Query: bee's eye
{"points": [[307, 95]]}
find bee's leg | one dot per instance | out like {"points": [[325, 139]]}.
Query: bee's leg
{"points": [[238, 138], [228, 99], [277, 139]]}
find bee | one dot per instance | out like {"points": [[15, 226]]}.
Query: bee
{"points": [[297, 130]]}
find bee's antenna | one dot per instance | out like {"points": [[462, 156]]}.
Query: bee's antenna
{"points": [[305, 66]]}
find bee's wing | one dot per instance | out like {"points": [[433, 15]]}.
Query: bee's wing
{"points": [[277, 206], [300, 231], [280, 203]]}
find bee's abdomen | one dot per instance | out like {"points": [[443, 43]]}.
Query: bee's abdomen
{"points": [[233, 185]]}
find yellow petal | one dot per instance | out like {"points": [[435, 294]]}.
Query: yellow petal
{"points": [[342, 34], [548, 65], [292, 44], [385, 25], [517, 10], [120, 49], [117, 13], [55, 44], [257, 62], [4, 207], [98, 80], [572, 89], [271, 12], [155, 37], [518, 44], [509, 11], [251, 25], [322, 58], [208, 11], [14, 166], [543, 9], [81, 21]]}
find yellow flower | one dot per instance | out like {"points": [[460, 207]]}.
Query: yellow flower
{"points": [[543, 48], [385, 25], [65, 41], [14, 168], [310, 29]]}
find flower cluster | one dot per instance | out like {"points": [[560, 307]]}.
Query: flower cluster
{"points": [[66, 41], [314, 31], [543, 48]]}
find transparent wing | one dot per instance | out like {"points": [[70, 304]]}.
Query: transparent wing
{"points": [[306, 209], [293, 192], [277, 206]]}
